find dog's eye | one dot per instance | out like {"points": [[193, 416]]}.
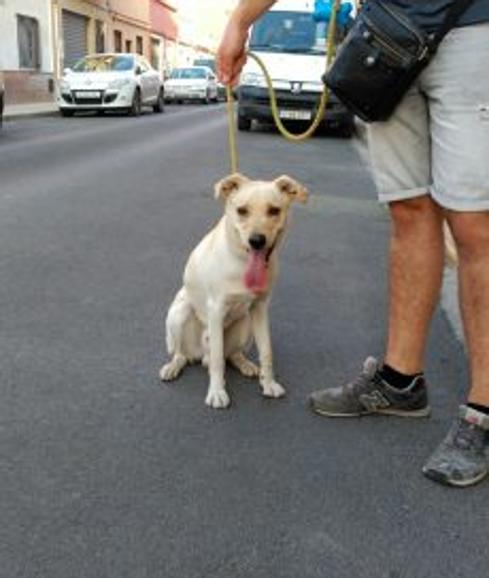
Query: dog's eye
{"points": [[242, 211], [273, 211]]}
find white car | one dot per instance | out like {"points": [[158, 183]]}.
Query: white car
{"points": [[110, 82], [191, 83]]}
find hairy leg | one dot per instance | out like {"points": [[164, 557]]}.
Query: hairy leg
{"points": [[471, 235], [415, 276]]}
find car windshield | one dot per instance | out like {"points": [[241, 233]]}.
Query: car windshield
{"points": [[209, 63], [105, 63], [285, 31], [188, 73]]}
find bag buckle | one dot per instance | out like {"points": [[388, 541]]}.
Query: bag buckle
{"points": [[424, 53]]}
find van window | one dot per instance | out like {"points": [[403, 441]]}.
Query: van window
{"points": [[285, 31]]}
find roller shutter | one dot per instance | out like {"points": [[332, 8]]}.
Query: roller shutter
{"points": [[74, 37]]}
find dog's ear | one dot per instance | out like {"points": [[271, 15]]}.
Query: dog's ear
{"points": [[229, 185], [293, 189]]}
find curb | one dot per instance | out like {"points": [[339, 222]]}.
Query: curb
{"points": [[8, 116]]}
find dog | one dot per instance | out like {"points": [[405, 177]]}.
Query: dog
{"points": [[223, 303]]}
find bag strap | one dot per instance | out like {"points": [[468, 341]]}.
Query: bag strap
{"points": [[457, 8]]}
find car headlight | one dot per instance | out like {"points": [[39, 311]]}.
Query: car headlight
{"points": [[252, 79], [64, 86], [119, 83]]}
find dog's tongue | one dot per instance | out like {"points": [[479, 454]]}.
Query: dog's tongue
{"points": [[256, 274]]}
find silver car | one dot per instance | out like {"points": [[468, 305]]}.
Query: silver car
{"points": [[125, 82], [191, 83]]}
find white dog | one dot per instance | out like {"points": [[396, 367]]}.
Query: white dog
{"points": [[223, 303]]}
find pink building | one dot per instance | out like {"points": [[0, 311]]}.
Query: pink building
{"points": [[164, 33]]}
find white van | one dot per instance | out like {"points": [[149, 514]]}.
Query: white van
{"points": [[292, 46]]}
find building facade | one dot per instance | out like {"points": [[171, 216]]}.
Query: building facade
{"points": [[164, 33], [26, 55], [87, 26], [40, 38], [200, 26]]}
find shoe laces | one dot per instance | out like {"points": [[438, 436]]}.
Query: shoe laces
{"points": [[361, 382], [468, 436]]}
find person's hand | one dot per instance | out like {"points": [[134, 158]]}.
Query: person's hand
{"points": [[231, 55]]}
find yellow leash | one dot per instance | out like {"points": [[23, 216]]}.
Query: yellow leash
{"points": [[293, 137]]}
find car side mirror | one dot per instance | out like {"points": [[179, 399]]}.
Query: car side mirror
{"points": [[138, 70]]}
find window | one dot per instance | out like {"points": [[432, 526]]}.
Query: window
{"points": [[189, 73], [117, 41], [99, 36], [139, 44], [128, 46], [143, 65], [28, 41], [284, 31], [155, 53]]}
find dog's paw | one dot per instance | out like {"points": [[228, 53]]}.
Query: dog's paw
{"points": [[217, 398], [171, 370], [245, 366], [273, 389], [249, 369]]}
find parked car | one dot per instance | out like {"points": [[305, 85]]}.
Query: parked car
{"points": [[292, 46], [191, 83], [211, 63], [2, 97], [123, 81]]}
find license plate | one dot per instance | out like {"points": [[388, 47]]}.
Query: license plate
{"points": [[88, 94], [295, 114]]}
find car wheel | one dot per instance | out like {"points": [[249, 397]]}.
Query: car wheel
{"points": [[66, 112], [135, 109], [207, 98], [159, 106], [244, 122]]}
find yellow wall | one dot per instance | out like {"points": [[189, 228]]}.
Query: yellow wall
{"points": [[130, 17]]}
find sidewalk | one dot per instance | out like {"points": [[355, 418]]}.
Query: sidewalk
{"points": [[28, 110]]}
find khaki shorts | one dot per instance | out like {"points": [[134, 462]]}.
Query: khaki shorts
{"points": [[437, 141]]}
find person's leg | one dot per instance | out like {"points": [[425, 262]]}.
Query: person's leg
{"points": [[401, 160], [471, 235], [415, 276], [460, 149], [460, 459]]}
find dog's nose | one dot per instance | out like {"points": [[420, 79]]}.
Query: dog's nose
{"points": [[257, 241]]}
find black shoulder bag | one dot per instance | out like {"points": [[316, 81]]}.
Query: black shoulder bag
{"points": [[381, 56]]}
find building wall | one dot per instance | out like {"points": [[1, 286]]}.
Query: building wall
{"points": [[93, 10], [201, 25], [164, 33], [132, 18], [24, 85], [129, 17]]}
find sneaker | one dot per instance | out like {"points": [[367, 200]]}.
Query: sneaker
{"points": [[460, 459], [370, 394]]}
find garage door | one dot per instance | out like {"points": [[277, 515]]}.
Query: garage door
{"points": [[74, 37]]}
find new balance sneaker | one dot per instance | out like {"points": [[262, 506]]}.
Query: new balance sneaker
{"points": [[369, 394], [460, 459]]}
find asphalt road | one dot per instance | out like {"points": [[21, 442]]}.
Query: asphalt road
{"points": [[107, 473]]}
